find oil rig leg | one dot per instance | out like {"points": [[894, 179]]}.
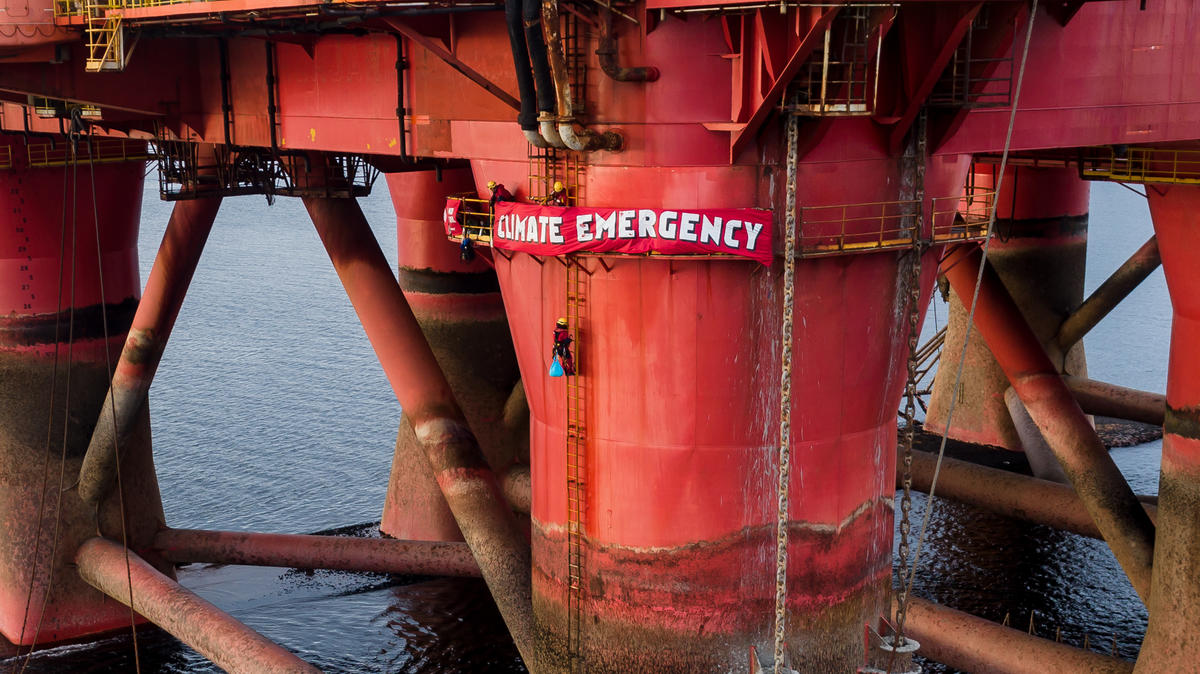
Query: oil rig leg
{"points": [[1085, 460], [178, 254], [46, 341], [1038, 251], [458, 465], [1171, 643], [232, 646], [458, 305]]}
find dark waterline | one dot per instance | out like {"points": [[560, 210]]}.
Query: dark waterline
{"points": [[270, 413]]}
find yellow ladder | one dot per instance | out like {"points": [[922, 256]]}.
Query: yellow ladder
{"points": [[577, 282], [105, 36]]}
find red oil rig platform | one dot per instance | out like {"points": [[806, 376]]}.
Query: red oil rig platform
{"points": [[755, 198]]}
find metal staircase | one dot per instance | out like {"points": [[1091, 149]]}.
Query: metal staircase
{"points": [[105, 36]]}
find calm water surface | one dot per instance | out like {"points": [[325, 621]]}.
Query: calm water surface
{"points": [[271, 413]]}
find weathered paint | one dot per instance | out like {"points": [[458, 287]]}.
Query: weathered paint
{"points": [[178, 255], [1171, 641], [1084, 458], [460, 311], [346, 553], [680, 361], [973, 644], [456, 462], [1039, 251], [31, 423], [112, 569]]}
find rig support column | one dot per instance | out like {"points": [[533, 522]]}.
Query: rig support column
{"points": [[1085, 460], [178, 254], [1172, 643], [1039, 251], [44, 340], [468, 484], [459, 308]]}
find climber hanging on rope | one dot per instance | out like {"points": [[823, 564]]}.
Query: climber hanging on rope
{"points": [[562, 348]]}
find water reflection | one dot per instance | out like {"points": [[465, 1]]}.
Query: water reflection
{"points": [[993, 566]]}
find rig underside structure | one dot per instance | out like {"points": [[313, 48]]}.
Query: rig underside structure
{"points": [[757, 197]]}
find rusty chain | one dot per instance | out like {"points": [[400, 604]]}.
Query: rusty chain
{"points": [[916, 156], [785, 398]]}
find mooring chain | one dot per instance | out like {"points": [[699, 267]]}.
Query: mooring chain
{"points": [[785, 399], [917, 160], [909, 574]]}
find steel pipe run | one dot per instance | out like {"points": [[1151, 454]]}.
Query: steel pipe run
{"points": [[1084, 458], [469, 485], [1110, 400], [1172, 643], [1110, 293], [579, 139], [178, 254], [340, 553], [980, 646], [216, 635], [1009, 494]]}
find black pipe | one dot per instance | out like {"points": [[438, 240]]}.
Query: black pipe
{"points": [[531, 14], [527, 117]]}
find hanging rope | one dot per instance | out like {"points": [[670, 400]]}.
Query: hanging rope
{"points": [[37, 536], [112, 396], [785, 400], [929, 507], [67, 399]]}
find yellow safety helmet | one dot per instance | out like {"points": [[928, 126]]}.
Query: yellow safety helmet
{"points": [[558, 186], [491, 184], [562, 323]]}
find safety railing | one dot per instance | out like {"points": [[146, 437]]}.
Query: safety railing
{"points": [[856, 228], [842, 229], [962, 218], [101, 151], [476, 218], [840, 79], [1141, 165]]}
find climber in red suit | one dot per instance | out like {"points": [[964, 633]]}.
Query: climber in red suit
{"points": [[562, 347]]}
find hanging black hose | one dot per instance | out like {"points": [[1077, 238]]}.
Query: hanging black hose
{"points": [[527, 118], [531, 15], [529, 56]]}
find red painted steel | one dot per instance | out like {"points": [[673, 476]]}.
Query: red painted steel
{"points": [[1010, 494], [346, 553], [973, 644], [178, 255], [461, 313], [216, 635], [340, 92], [1039, 252], [453, 453], [680, 363], [31, 435], [1171, 641], [1083, 457]]}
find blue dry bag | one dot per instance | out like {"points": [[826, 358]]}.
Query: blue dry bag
{"points": [[556, 368]]}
